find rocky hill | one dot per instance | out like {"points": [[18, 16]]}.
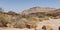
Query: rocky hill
{"points": [[41, 12], [38, 9]]}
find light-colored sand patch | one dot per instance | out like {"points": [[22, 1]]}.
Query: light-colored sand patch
{"points": [[14, 29], [54, 23]]}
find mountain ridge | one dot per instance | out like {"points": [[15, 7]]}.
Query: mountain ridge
{"points": [[38, 9]]}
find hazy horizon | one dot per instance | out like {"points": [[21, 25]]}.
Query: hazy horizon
{"points": [[20, 5]]}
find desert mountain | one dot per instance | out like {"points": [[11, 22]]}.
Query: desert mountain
{"points": [[38, 9]]}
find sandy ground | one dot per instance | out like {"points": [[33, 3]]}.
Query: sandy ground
{"points": [[14, 29], [55, 23]]}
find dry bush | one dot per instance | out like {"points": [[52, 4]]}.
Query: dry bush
{"points": [[20, 24], [3, 22]]}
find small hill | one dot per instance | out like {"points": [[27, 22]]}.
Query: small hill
{"points": [[38, 9], [41, 12]]}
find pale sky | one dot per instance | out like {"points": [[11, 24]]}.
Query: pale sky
{"points": [[20, 5]]}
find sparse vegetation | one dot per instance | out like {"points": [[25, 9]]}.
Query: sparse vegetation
{"points": [[22, 20]]}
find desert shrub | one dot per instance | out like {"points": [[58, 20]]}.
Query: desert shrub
{"points": [[32, 20], [20, 24], [53, 14], [3, 22]]}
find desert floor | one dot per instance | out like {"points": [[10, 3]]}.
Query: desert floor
{"points": [[14, 29]]}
